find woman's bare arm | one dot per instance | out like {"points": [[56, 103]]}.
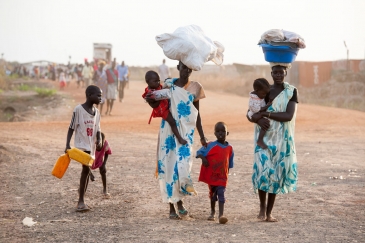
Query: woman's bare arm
{"points": [[282, 116], [199, 126]]}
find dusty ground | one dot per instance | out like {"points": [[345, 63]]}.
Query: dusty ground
{"points": [[329, 142]]}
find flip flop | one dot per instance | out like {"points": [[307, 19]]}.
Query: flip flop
{"points": [[83, 209], [223, 220], [183, 212], [174, 216], [106, 196]]}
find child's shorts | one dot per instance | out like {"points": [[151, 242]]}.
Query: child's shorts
{"points": [[216, 193]]}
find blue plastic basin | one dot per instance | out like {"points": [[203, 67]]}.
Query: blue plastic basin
{"points": [[283, 54]]}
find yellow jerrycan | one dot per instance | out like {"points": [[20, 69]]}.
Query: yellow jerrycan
{"points": [[80, 156], [61, 166]]}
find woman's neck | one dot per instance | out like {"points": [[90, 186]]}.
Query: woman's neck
{"points": [[278, 86], [181, 82]]}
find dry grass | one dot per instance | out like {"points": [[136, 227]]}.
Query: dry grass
{"points": [[349, 95]]}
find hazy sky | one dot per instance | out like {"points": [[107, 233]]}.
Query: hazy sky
{"points": [[53, 30]]}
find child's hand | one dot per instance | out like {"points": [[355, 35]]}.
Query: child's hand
{"points": [[149, 97], [67, 148], [204, 141], [205, 162], [98, 144]]}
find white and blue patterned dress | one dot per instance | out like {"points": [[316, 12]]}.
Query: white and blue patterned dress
{"points": [[175, 160], [275, 168]]}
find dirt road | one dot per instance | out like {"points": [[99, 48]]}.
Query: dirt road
{"points": [[330, 142]]}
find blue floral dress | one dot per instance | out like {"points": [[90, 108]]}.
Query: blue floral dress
{"points": [[175, 160], [275, 168]]}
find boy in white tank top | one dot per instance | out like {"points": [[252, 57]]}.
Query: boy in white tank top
{"points": [[86, 124]]}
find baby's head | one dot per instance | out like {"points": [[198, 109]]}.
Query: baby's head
{"points": [[152, 79], [102, 141], [221, 132], [261, 87]]}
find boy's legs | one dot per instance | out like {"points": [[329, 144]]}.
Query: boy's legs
{"points": [[221, 199], [260, 140], [172, 124], [102, 171], [213, 199], [83, 186]]}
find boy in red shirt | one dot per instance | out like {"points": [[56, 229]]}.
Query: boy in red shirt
{"points": [[217, 159]]}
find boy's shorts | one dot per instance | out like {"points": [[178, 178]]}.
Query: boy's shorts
{"points": [[216, 193]]}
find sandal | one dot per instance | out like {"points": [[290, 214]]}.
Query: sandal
{"points": [[183, 212], [106, 195], [174, 216]]}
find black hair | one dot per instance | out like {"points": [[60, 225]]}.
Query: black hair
{"points": [[220, 123], [279, 66], [260, 83], [149, 73], [91, 89]]}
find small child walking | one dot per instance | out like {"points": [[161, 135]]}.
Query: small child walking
{"points": [[85, 122], [62, 79], [101, 157], [217, 159], [160, 107], [256, 103]]}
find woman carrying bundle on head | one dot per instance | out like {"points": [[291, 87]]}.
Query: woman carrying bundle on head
{"points": [[275, 168]]}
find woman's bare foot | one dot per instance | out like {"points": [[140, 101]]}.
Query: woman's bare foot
{"points": [[261, 144], [262, 214], [182, 141], [82, 207], [271, 219]]}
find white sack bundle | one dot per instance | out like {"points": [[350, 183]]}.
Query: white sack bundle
{"points": [[277, 35], [272, 35], [191, 46]]}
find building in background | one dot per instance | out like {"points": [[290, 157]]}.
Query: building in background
{"points": [[309, 74], [103, 51]]}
